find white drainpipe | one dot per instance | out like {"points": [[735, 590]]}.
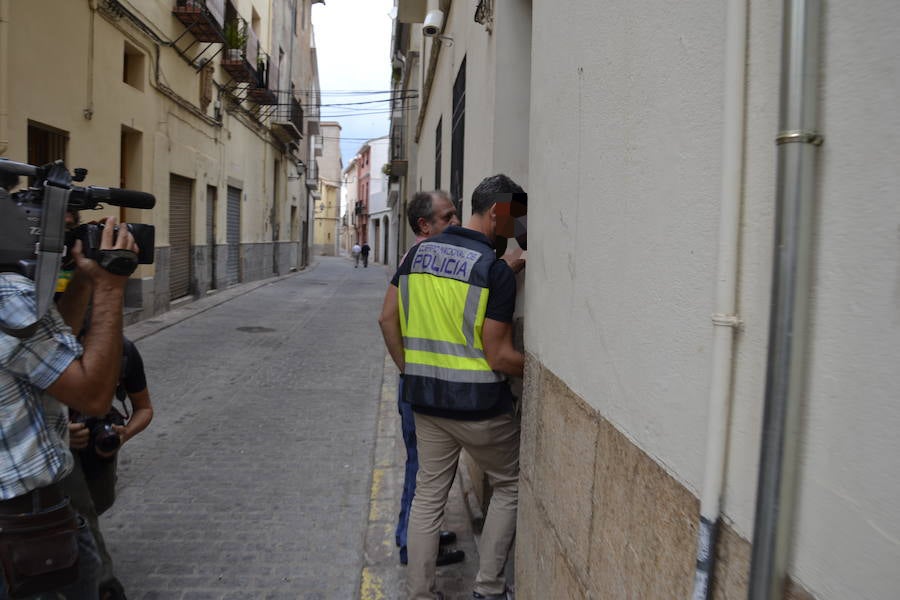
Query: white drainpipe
{"points": [[4, 76], [724, 319]]}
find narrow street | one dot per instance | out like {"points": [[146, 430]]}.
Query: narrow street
{"points": [[253, 480]]}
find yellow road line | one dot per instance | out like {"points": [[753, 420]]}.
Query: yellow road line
{"points": [[371, 587]]}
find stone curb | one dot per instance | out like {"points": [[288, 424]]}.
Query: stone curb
{"points": [[383, 577]]}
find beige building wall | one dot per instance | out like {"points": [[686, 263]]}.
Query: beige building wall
{"points": [[328, 206], [75, 84]]}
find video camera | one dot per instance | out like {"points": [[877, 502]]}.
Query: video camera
{"points": [[32, 221]]}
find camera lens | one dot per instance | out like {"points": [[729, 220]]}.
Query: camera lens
{"points": [[106, 439]]}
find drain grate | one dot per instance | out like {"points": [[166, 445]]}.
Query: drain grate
{"points": [[255, 329]]}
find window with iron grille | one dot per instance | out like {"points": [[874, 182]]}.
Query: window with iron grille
{"points": [[458, 137], [437, 153], [46, 144]]}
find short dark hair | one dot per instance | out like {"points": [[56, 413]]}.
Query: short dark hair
{"points": [[495, 184], [422, 207]]}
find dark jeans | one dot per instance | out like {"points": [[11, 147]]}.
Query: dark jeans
{"points": [[408, 426], [365, 258]]}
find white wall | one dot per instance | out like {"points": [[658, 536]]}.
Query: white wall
{"points": [[624, 179], [378, 157]]}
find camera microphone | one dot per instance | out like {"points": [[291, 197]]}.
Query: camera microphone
{"points": [[11, 167], [120, 197]]}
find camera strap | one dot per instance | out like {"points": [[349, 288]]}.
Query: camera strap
{"points": [[23, 333], [118, 262], [51, 247]]}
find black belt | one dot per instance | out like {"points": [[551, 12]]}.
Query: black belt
{"points": [[33, 501]]}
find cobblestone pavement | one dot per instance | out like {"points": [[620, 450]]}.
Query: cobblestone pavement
{"points": [[255, 478]]}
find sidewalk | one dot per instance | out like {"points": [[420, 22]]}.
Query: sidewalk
{"points": [[187, 308], [383, 577]]}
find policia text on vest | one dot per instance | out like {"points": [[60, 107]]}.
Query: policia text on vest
{"points": [[444, 260]]}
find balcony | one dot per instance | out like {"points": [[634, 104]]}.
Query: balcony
{"points": [[312, 177], [287, 121], [398, 167], [241, 51], [205, 19], [266, 90]]}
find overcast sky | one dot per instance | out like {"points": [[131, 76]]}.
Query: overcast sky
{"points": [[353, 39]]}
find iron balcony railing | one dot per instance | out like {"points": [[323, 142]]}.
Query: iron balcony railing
{"points": [[205, 19], [287, 119]]}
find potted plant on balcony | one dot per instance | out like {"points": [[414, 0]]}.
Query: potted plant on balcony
{"points": [[235, 39]]}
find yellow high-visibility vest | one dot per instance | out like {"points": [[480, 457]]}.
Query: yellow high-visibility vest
{"points": [[443, 296]]}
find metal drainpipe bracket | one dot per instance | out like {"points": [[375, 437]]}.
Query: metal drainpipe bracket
{"points": [[796, 136], [720, 320]]}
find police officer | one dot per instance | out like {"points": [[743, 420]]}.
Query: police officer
{"points": [[447, 324]]}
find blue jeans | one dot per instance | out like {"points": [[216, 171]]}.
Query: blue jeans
{"points": [[408, 426], [86, 588]]}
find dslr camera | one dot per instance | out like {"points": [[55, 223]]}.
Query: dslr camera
{"points": [[103, 436], [33, 236]]}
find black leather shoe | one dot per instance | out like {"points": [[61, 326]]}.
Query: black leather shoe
{"points": [[447, 537], [504, 596], [450, 557]]}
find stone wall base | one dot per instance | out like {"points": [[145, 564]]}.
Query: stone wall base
{"points": [[599, 518]]}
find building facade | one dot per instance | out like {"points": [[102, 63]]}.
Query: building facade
{"points": [[199, 102], [363, 174], [350, 218], [381, 215], [328, 205], [655, 170]]}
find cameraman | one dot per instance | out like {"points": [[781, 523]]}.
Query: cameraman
{"points": [[43, 370], [92, 483]]}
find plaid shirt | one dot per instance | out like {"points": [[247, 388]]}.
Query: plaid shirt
{"points": [[34, 435]]}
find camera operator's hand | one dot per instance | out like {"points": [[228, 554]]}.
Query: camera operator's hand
{"points": [[79, 436], [123, 241]]}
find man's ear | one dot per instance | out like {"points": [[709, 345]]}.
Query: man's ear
{"points": [[424, 227]]}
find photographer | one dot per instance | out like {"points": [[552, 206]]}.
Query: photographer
{"points": [[92, 482], [43, 370]]}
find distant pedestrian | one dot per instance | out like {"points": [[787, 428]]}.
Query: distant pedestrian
{"points": [[365, 254], [356, 250]]}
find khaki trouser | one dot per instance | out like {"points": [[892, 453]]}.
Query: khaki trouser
{"points": [[494, 445]]}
